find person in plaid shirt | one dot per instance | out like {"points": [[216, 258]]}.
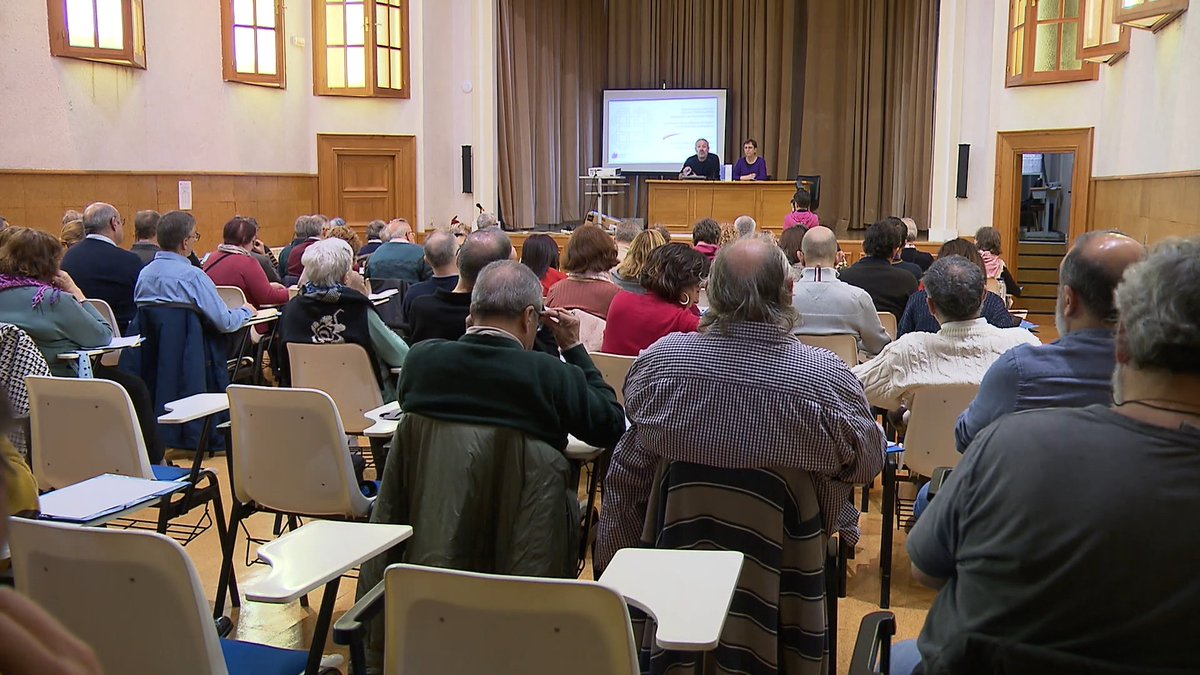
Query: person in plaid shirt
{"points": [[742, 393]]}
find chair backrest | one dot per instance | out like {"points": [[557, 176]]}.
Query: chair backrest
{"points": [[81, 429], [845, 346], [929, 441], [134, 597], [443, 621], [233, 296], [345, 372], [614, 368], [290, 453], [392, 311], [889, 323], [112, 358], [591, 330]]}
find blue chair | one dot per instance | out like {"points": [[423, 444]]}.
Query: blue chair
{"points": [[136, 599]]}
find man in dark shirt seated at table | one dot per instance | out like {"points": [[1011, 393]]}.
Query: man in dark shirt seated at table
{"points": [[888, 286], [443, 314], [100, 267], [441, 249], [1076, 370], [702, 164], [490, 375]]}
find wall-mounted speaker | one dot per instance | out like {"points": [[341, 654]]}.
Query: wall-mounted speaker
{"points": [[964, 160], [466, 170]]}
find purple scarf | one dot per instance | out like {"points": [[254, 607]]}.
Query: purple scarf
{"points": [[8, 281]]}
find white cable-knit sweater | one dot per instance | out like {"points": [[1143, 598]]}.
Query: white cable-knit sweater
{"points": [[959, 353]]}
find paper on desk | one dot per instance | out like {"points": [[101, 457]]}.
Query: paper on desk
{"points": [[266, 313], [382, 295], [127, 341], [101, 495]]}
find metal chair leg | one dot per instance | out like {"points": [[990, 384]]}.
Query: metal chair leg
{"points": [[889, 516]]}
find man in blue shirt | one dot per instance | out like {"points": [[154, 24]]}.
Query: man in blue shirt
{"points": [[1075, 371], [170, 279], [398, 258]]}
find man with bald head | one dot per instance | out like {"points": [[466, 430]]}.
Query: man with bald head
{"points": [[828, 305], [1076, 371], [441, 252], [443, 313], [399, 258], [100, 267]]}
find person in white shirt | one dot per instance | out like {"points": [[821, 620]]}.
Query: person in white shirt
{"points": [[829, 306], [960, 353]]}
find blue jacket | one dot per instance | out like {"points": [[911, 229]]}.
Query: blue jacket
{"points": [[180, 357]]}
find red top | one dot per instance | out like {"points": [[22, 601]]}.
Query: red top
{"points": [[552, 277], [637, 321], [245, 272], [591, 295]]}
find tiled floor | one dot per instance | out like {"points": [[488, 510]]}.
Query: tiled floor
{"points": [[292, 626]]}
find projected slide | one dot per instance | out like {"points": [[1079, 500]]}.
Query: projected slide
{"points": [[656, 130]]}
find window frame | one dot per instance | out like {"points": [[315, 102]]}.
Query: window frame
{"points": [[371, 47], [1103, 52], [228, 60], [132, 54], [1029, 74], [1151, 15]]}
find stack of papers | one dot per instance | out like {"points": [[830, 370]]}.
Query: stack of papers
{"points": [[383, 295], [103, 495]]}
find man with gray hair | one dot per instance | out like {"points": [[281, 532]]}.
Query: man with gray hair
{"points": [[959, 353], [828, 305], [1033, 536], [374, 238], [490, 376], [745, 226], [308, 231], [398, 258], [747, 349], [100, 267], [441, 252], [485, 220], [443, 314], [626, 232]]}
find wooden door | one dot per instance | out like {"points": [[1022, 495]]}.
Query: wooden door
{"points": [[364, 178]]}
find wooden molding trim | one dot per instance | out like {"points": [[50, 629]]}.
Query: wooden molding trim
{"points": [[1144, 176], [81, 172]]}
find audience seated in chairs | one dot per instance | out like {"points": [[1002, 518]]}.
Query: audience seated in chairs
{"points": [[624, 235], [145, 232], [590, 255], [888, 286], [828, 305], [441, 253], [443, 314], [43, 301], [898, 258], [374, 239], [706, 238], [234, 264], [398, 257], [988, 240], [100, 267], [628, 274], [917, 316], [910, 252], [815, 422], [540, 254], [1081, 497], [1075, 371], [333, 308], [308, 229], [672, 279]]}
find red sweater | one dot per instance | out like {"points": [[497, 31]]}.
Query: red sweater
{"points": [[637, 321], [591, 295], [552, 277], [243, 271]]}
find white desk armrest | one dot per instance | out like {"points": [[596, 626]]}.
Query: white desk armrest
{"points": [[381, 428], [194, 407]]}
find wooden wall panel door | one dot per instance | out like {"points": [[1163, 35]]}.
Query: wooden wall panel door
{"points": [[363, 178]]}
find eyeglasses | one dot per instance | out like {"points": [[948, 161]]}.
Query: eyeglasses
{"points": [[195, 236]]}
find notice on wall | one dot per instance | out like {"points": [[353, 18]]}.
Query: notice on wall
{"points": [[185, 195]]}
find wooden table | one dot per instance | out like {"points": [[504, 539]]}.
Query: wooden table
{"points": [[678, 204]]}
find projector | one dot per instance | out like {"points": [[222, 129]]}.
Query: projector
{"points": [[602, 172]]}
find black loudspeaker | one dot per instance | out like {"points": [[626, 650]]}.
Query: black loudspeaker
{"points": [[964, 159], [466, 160]]}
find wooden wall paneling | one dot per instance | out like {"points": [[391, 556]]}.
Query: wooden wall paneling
{"points": [[1148, 208]]}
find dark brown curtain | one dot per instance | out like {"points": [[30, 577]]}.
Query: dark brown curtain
{"points": [[868, 108], [842, 89], [551, 82]]}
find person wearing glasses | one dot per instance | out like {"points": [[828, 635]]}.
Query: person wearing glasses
{"points": [[672, 278], [170, 279], [100, 267]]}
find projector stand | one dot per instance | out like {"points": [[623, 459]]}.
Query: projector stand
{"points": [[601, 187]]}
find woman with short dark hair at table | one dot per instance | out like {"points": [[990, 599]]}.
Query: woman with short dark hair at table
{"points": [[42, 300], [672, 278], [706, 237], [750, 166], [540, 254], [591, 253], [234, 264]]}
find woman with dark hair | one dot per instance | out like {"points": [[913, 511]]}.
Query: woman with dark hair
{"points": [[591, 253], [987, 239], [672, 278], [918, 319], [801, 216], [750, 166], [790, 242], [234, 264], [42, 300], [706, 237], [540, 254]]}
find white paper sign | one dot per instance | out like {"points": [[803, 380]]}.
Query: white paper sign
{"points": [[185, 195]]}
